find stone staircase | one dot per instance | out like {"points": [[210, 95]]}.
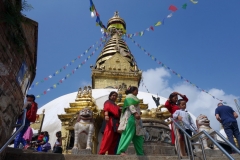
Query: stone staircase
{"points": [[151, 153], [151, 149]]}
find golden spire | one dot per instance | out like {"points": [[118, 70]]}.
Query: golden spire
{"points": [[116, 19], [117, 27], [115, 64], [113, 46]]}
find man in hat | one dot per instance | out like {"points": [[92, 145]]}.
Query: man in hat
{"points": [[227, 117], [31, 115]]}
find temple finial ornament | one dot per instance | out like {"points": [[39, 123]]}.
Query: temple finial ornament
{"points": [[156, 100], [116, 14]]}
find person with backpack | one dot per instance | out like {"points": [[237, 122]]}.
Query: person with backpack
{"points": [[44, 146], [31, 115]]}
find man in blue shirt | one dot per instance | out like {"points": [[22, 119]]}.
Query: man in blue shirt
{"points": [[227, 116]]}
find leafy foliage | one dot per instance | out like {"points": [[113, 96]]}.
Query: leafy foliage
{"points": [[13, 17]]}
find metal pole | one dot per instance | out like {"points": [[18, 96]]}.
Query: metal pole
{"points": [[15, 133], [229, 143], [218, 145], [200, 141], [191, 150], [186, 144], [178, 126], [203, 151], [176, 140]]}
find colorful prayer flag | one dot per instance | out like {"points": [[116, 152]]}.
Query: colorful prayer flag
{"points": [[158, 23], [172, 8], [184, 6], [170, 15], [194, 2]]}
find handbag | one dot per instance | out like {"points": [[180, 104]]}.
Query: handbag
{"points": [[46, 146], [140, 131]]}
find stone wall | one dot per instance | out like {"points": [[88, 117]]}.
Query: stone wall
{"points": [[17, 69]]}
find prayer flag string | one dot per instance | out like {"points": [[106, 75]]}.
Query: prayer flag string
{"points": [[143, 84], [172, 71], [65, 66], [70, 74], [104, 30], [172, 8], [94, 13]]}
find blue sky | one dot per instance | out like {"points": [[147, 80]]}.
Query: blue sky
{"points": [[201, 43]]}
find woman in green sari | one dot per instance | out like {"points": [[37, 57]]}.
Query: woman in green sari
{"points": [[131, 124]]}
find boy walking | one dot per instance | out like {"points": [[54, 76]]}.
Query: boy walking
{"points": [[183, 116]]}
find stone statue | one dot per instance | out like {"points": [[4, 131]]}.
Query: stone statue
{"points": [[83, 129], [156, 100], [79, 91], [124, 86], [203, 123], [89, 90], [85, 90], [154, 133], [119, 87], [121, 91], [165, 137], [157, 134], [119, 97]]}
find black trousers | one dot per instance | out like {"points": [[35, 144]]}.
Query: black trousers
{"points": [[190, 133]]}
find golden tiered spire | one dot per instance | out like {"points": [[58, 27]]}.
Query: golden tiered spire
{"points": [[115, 19], [115, 64], [117, 27], [113, 46]]}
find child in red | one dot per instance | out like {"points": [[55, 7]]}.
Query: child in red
{"points": [[40, 137]]}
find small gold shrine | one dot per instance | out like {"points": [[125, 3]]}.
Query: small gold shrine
{"points": [[84, 99]]}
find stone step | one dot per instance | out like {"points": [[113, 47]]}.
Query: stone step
{"points": [[154, 150], [18, 154], [215, 154], [52, 156]]}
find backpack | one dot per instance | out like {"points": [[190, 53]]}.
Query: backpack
{"points": [[46, 146], [32, 112]]}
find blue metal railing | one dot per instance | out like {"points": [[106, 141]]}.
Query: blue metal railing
{"points": [[15, 133], [198, 135]]}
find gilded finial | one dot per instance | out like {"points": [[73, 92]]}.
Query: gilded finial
{"points": [[116, 14]]}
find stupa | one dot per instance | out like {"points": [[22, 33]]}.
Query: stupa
{"points": [[115, 69]]}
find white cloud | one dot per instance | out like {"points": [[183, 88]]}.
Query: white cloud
{"points": [[156, 81]]}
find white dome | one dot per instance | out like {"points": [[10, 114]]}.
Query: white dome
{"points": [[52, 124]]}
